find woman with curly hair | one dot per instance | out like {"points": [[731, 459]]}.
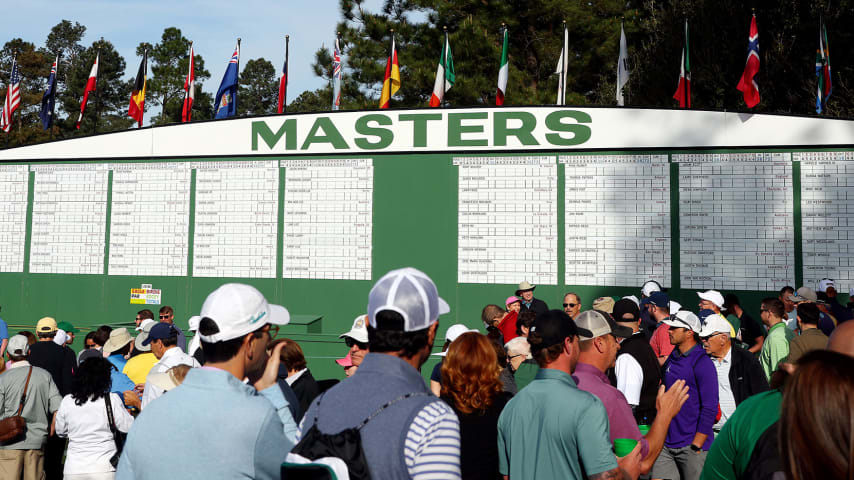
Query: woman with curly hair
{"points": [[82, 417], [471, 386]]}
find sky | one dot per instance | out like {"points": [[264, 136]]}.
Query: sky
{"points": [[213, 26]]}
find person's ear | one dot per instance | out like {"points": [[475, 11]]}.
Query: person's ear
{"points": [[431, 332]]}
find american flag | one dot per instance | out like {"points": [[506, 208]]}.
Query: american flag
{"points": [[13, 99], [336, 76]]}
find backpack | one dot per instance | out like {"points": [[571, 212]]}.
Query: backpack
{"points": [[332, 456]]}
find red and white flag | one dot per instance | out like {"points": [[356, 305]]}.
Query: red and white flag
{"points": [[189, 89], [91, 84], [747, 84], [13, 99], [683, 90]]}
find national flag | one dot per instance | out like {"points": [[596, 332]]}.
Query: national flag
{"points": [[283, 81], [561, 70], [391, 81], [445, 75], [503, 73], [747, 84], [136, 110], [336, 75], [49, 98], [822, 69], [91, 85], [683, 91], [622, 67], [13, 98], [189, 88], [226, 97]]}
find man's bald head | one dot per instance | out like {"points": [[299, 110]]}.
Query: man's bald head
{"points": [[842, 339]]}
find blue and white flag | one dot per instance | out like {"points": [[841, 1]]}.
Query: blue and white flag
{"points": [[336, 76], [49, 98], [226, 97]]}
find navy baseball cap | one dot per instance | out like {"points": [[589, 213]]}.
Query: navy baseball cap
{"points": [[659, 299], [159, 332]]}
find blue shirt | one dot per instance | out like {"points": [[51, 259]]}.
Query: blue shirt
{"points": [[4, 330], [699, 411], [118, 360], [211, 426]]}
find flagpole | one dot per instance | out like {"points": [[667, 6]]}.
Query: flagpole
{"points": [[684, 62], [97, 90], [144, 77], [444, 65], [564, 68], [285, 95], [237, 76]]}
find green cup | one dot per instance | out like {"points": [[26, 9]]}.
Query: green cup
{"points": [[644, 429], [624, 446]]}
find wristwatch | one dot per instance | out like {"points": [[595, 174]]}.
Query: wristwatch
{"points": [[695, 448]]}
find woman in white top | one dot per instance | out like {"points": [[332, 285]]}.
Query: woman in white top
{"points": [[82, 417]]}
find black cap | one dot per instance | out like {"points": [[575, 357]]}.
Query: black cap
{"points": [[626, 310], [553, 327]]}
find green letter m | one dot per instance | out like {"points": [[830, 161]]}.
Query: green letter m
{"points": [[288, 128]]}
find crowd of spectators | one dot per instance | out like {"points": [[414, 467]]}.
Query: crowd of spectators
{"points": [[631, 387]]}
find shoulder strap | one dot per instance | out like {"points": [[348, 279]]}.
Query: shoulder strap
{"points": [[110, 420], [24, 395], [390, 403]]}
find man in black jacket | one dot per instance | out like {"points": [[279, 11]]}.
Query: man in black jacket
{"points": [[529, 303], [739, 372], [637, 372]]}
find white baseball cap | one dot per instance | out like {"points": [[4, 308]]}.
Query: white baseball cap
{"points": [[359, 332], [412, 294], [713, 296], [18, 345], [144, 324], [238, 309], [824, 283], [675, 307], [685, 319], [650, 287], [715, 324], [453, 333]]}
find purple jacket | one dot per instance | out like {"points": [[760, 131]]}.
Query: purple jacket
{"points": [[620, 418], [699, 411]]}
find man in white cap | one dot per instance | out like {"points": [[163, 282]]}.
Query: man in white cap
{"points": [[690, 434], [357, 340], [414, 432], [739, 373], [713, 300], [23, 457], [228, 419], [163, 339], [529, 303], [648, 324]]}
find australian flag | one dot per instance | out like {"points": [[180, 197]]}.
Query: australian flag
{"points": [[226, 96], [49, 98]]}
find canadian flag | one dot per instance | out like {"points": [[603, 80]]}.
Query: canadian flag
{"points": [[189, 89], [90, 87]]}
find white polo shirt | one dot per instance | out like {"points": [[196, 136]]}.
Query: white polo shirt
{"points": [[726, 400]]}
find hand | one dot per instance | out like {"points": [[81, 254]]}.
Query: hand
{"points": [[132, 399], [271, 372], [670, 402], [631, 463]]}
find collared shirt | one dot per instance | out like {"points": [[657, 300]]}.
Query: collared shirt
{"points": [[171, 357], [42, 400], [293, 378], [698, 413], [90, 440], [725, 397], [775, 349], [222, 428], [551, 428], [620, 418]]}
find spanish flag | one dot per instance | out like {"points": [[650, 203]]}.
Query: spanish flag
{"points": [[137, 97], [391, 82]]}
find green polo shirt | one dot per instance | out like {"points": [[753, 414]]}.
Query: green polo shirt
{"points": [[551, 428], [775, 349], [733, 447]]}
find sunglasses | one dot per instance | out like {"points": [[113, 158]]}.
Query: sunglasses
{"points": [[706, 339], [162, 317], [350, 342], [570, 305]]}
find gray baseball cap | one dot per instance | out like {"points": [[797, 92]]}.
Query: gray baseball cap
{"points": [[412, 294]]}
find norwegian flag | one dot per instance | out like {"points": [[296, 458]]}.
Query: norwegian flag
{"points": [[13, 99], [747, 84], [189, 88]]}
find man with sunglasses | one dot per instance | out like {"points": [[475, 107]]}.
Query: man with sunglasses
{"points": [[690, 434], [167, 315], [739, 373], [572, 304], [357, 340], [163, 339], [228, 419], [776, 347]]}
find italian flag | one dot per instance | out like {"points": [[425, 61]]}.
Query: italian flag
{"points": [[683, 91], [445, 75], [503, 72]]}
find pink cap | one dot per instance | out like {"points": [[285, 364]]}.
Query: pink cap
{"points": [[511, 299], [345, 362]]}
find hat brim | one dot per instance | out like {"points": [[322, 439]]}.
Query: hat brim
{"points": [[519, 292], [344, 362], [700, 294], [677, 323], [162, 380], [111, 346], [140, 344], [359, 336], [443, 306], [279, 315]]}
